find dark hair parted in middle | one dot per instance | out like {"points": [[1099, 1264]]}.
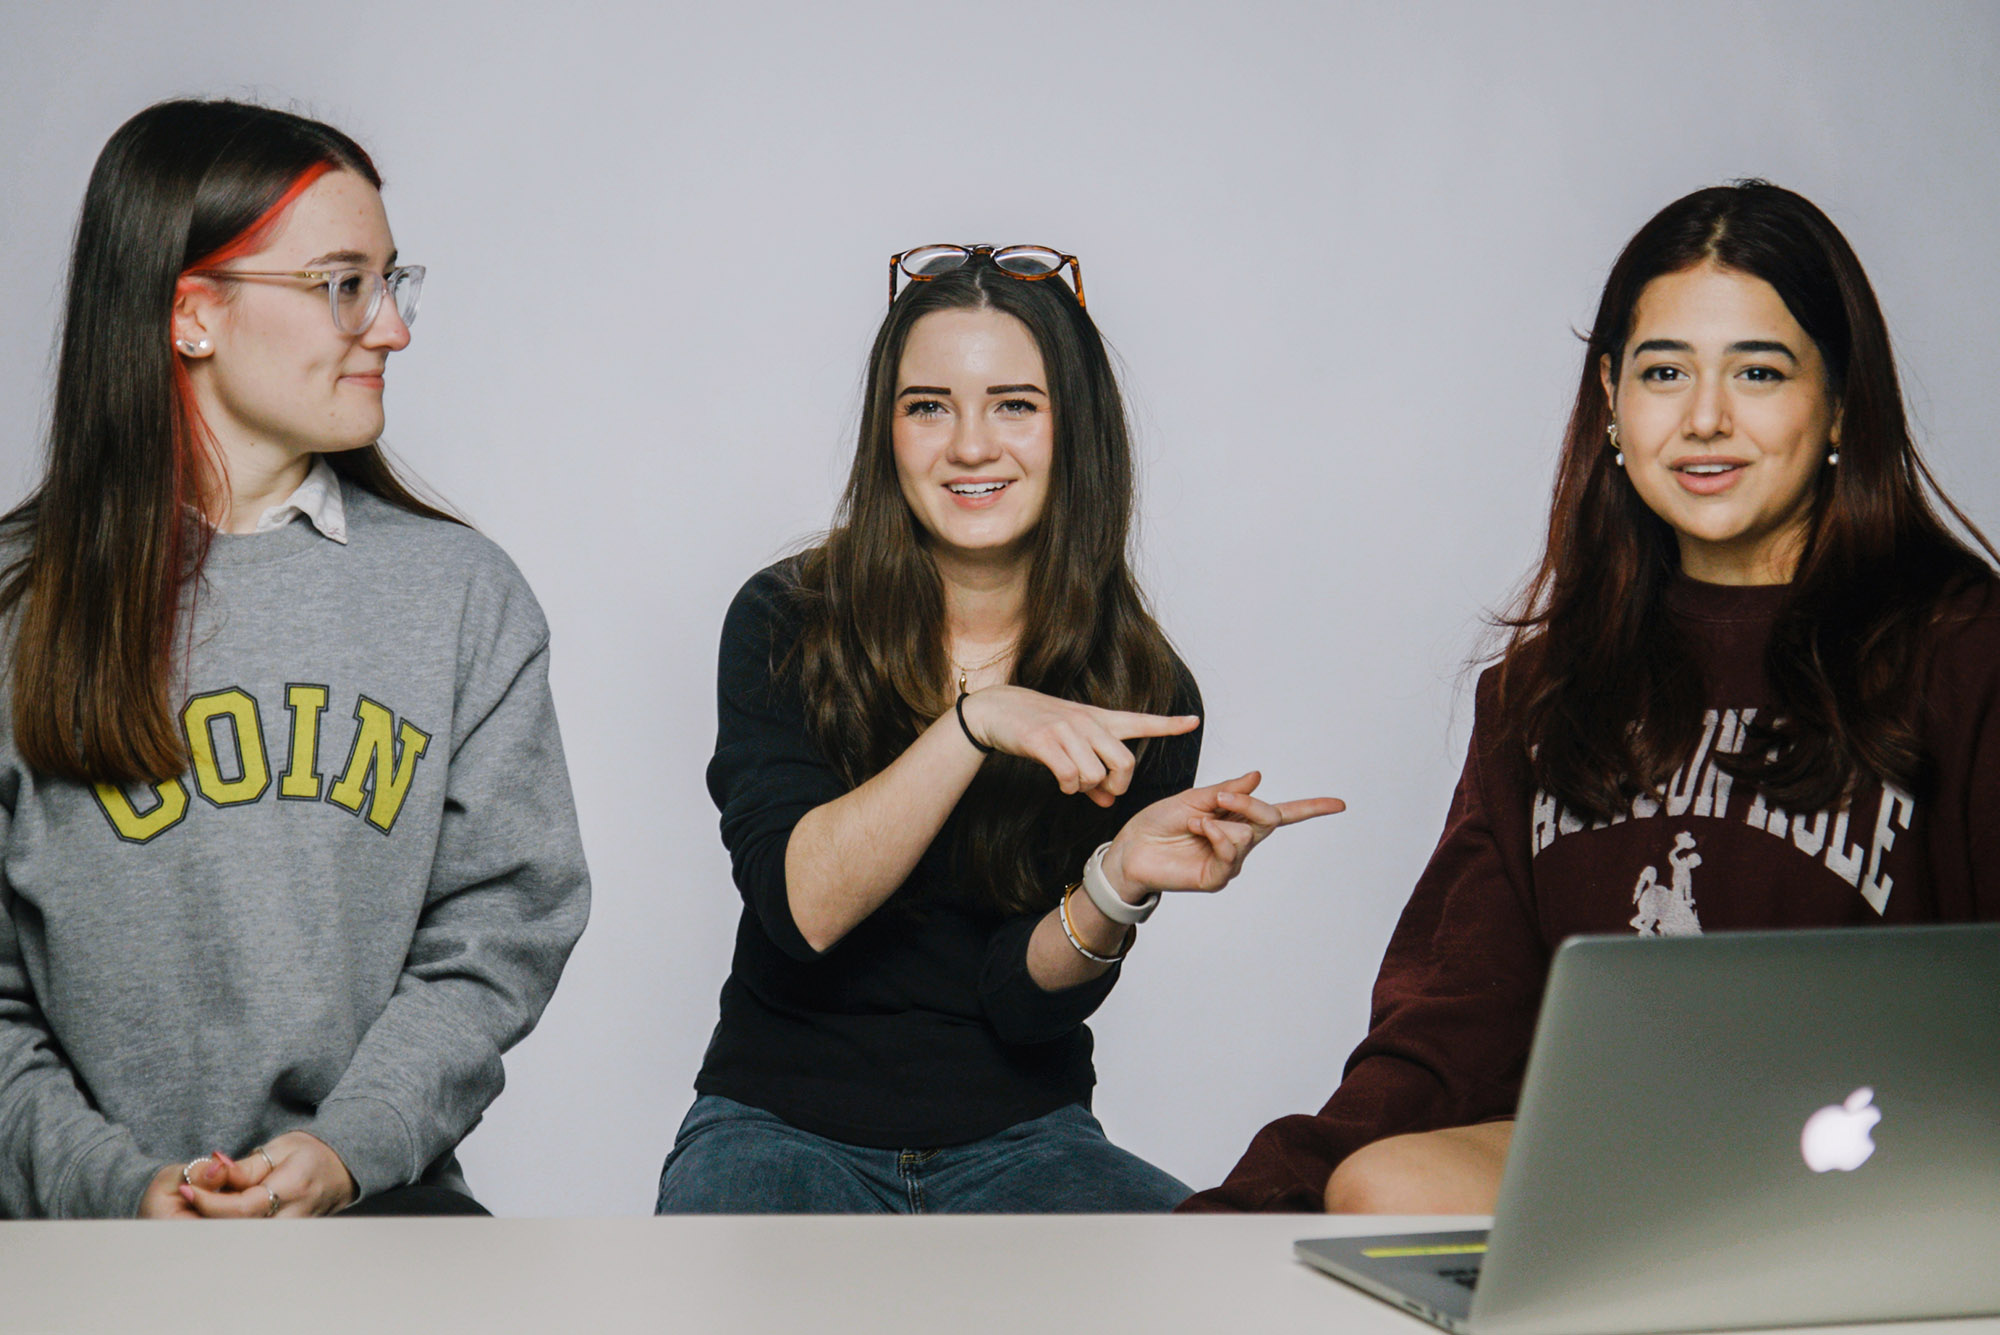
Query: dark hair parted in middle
{"points": [[872, 658], [1596, 678]]}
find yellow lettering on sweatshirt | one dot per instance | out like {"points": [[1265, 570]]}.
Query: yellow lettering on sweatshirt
{"points": [[243, 750], [380, 767], [169, 808], [305, 703]]}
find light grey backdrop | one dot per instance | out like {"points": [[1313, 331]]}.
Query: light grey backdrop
{"points": [[1341, 249]]}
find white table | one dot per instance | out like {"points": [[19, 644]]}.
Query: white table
{"points": [[792, 1276]]}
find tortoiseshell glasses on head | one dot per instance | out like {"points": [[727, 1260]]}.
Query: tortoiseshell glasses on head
{"points": [[1029, 263]]}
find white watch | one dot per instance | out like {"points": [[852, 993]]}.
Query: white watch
{"points": [[1108, 901]]}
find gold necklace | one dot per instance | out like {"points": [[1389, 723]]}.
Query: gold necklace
{"points": [[964, 671]]}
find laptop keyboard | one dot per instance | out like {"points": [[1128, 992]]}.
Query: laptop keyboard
{"points": [[1465, 1276]]}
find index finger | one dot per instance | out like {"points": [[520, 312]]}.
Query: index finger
{"points": [[1305, 808], [1122, 724], [238, 1174]]}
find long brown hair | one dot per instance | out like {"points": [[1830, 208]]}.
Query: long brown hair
{"points": [[1596, 679], [872, 657], [112, 538]]}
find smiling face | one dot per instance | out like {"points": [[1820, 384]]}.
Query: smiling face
{"points": [[1725, 418], [281, 380], [973, 435]]}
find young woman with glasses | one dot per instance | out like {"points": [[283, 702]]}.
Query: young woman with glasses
{"points": [[289, 852], [954, 764], [1754, 683]]}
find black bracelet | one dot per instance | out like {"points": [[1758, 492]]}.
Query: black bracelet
{"points": [[984, 749]]}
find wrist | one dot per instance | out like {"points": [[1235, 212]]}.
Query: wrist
{"points": [[160, 1199], [1112, 890], [958, 707], [344, 1190], [1111, 861]]}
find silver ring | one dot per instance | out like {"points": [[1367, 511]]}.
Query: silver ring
{"points": [[269, 1162], [272, 1208], [187, 1169]]}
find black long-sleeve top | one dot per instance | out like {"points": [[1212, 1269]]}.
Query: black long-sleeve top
{"points": [[921, 1027]]}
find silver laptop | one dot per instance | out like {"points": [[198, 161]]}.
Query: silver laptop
{"points": [[1745, 1129]]}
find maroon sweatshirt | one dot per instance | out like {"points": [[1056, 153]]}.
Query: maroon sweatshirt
{"points": [[1516, 872]]}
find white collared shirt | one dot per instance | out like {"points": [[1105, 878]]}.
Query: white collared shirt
{"points": [[318, 499]]}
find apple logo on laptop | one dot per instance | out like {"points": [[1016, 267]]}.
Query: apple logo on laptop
{"points": [[1836, 1137]]}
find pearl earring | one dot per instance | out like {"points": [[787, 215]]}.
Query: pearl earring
{"points": [[1617, 454], [194, 347], [1833, 457]]}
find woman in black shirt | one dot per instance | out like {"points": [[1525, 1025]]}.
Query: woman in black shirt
{"points": [[923, 739]]}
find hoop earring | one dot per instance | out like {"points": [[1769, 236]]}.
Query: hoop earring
{"points": [[1617, 454]]}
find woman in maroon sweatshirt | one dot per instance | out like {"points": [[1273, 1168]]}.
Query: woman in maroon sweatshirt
{"points": [[1754, 683]]}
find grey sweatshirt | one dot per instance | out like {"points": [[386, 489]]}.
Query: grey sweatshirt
{"points": [[358, 897]]}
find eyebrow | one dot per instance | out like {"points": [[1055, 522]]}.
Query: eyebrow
{"points": [[942, 392], [1763, 345], [344, 257], [1745, 345]]}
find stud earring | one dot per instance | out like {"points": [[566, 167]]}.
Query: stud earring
{"points": [[194, 347], [1617, 454]]}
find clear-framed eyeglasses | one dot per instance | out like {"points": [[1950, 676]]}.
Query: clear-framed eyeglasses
{"points": [[1028, 263], [353, 295]]}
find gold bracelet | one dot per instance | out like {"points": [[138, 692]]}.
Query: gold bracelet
{"points": [[1069, 931]]}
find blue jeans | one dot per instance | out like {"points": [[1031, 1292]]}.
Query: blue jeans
{"points": [[730, 1158]]}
